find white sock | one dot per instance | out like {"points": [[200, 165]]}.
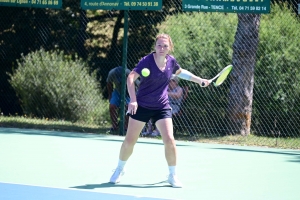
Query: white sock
{"points": [[121, 164], [172, 169]]}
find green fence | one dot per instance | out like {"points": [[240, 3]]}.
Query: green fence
{"points": [[54, 65]]}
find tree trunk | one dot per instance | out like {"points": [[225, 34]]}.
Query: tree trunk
{"points": [[242, 77]]}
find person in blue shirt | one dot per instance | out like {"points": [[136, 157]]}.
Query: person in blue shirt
{"points": [[114, 86]]}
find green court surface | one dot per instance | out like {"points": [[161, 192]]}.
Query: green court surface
{"points": [[42, 165]]}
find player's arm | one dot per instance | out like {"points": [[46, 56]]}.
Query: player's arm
{"points": [[132, 106], [186, 75]]}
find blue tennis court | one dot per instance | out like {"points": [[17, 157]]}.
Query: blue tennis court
{"points": [[38, 164]]}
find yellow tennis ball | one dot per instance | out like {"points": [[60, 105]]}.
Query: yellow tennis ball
{"points": [[145, 72]]}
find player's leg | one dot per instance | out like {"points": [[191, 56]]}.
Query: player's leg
{"points": [[134, 129], [133, 132], [165, 126]]}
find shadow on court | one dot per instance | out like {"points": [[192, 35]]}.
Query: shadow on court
{"points": [[297, 159], [110, 185]]}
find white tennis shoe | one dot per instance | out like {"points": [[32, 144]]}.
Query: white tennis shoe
{"points": [[174, 181], [116, 177]]}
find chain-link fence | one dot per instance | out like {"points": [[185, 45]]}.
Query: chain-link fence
{"points": [[54, 65]]}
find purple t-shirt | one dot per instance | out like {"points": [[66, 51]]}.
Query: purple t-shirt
{"points": [[153, 89]]}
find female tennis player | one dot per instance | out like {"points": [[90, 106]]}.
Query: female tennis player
{"points": [[151, 101]]}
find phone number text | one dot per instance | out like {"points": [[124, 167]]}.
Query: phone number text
{"points": [[139, 3], [31, 2], [222, 7]]}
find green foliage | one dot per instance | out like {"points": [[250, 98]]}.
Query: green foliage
{"points": [[203, 46], [53, 85], [277, 74]]}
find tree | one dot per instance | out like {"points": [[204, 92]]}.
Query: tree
{"points": [[242, 77], [24, 30]]}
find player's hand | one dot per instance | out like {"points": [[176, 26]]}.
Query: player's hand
{"points": [[204, 83], [132, 108]]}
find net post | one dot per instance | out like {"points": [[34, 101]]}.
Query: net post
{"points": [[124, 64]]}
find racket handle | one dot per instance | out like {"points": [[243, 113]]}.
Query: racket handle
{"points": [[203, 83]]}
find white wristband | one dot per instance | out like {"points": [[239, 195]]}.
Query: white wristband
{"points": [[184, 74]]}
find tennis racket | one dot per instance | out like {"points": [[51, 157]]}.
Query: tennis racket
{"points": [[221, 77]]}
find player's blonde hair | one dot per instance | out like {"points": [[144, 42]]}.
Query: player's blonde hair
{"points": [[165, 36]]}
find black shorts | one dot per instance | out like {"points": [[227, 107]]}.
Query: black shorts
{"points": [[144, 114]]}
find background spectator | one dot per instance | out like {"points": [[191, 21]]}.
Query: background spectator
{"points": [[114, 86]]}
